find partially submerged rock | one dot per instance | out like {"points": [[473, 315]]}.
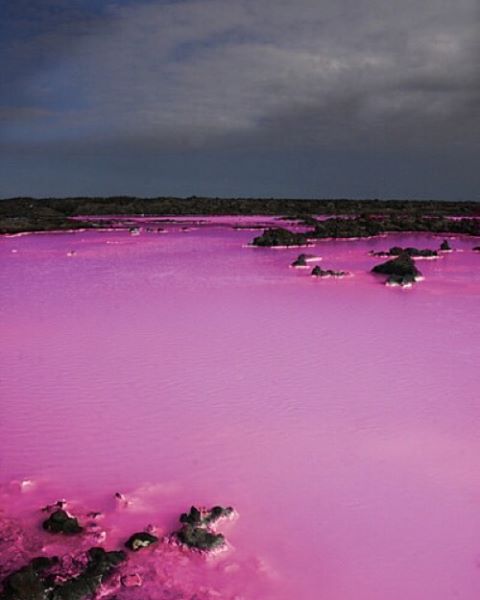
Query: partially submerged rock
{"points": [[402, 270], [445, 246], [28, 582], [278, 236], [36, 581], [200, 538], [206, 517], [303, 259], [476, 248], [197, 531], [100, 566], [300, 261], [140, 540], [319, 272], [61, 522], [413, 252]]}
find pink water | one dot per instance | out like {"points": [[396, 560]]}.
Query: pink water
{"points": [[341, 418]]}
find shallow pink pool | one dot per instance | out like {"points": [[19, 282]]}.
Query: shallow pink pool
{"points": [[341, 418]]}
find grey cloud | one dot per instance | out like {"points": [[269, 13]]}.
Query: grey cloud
{"points": [[251, 78]]}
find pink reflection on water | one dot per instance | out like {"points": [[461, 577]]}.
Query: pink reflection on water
{"points": [[340, 418]]}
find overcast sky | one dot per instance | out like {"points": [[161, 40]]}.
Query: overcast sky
{"points": [[299, 98]]}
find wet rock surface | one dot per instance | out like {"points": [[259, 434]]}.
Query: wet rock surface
{"points": [[61, 522], [28, 583], [140, 540], [413, 252], [445, 246], [197, 531], [401, 270], [302, 260], [325, 273], [40, 580]]}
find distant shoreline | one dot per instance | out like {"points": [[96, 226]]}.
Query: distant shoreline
{"points": [[18, 215]]}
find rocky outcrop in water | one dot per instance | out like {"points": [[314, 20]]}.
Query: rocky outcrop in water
{"points": [[200, 538], [302, 260], [61, 522], [28, 583], [140, 540], [40, 580], [197, 532], [476, 248], [206, 517], [445, 246], [401, 270], [278, 236], [100, 566], [413, 252], [319, 272]]}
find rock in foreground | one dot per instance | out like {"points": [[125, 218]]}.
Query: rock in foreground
{"points": [[200, 538], [28, 582], [197, 532], [41, 579], [140, 540], [61, 522]]}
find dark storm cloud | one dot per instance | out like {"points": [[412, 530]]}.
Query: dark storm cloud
{"points": [[374, 75]]}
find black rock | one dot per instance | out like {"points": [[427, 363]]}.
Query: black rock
{"points": [[200, 538], [140, 540], [61, 522], [300, 261], [445, 246], [196, 531], [101, 565], [28, 582], [278, 236], [413, 252], [476, 248], [401, 266], [217, 513], [194, 517], [319, 272], [205, 517]]}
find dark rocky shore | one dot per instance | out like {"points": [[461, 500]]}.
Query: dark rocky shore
{"points": [[362, 218], [83, 575]]}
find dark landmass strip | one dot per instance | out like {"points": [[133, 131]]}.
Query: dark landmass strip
{"points": [[365, 226], [372, 216], [278, 236]]}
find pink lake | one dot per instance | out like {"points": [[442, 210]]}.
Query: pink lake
{"points": [[341, 418]]}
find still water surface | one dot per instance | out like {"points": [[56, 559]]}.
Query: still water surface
{"points": [[340, 417]]}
